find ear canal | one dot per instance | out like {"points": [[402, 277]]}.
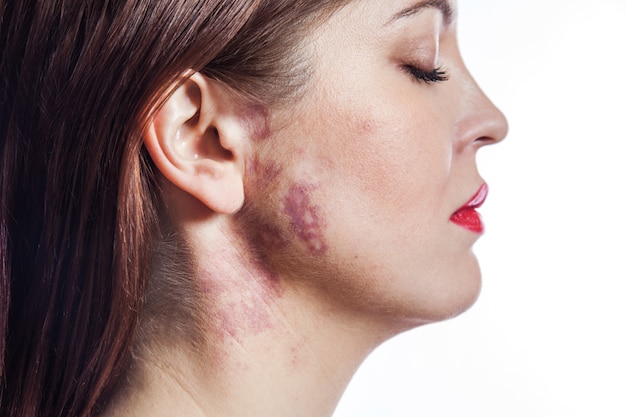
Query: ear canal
{"points": [[211, 146]]}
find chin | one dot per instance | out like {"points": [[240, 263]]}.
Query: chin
{"points": [[446, 296], [458, 295]]}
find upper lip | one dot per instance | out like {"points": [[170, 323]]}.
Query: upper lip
{"points": [[478, 199]]}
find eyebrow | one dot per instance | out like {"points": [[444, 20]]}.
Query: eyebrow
{"points": [[442, 5]]}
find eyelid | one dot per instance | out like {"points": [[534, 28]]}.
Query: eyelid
{"points": [[435, 75], [422, 57]]}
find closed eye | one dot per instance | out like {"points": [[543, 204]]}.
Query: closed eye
{"points": [[435, 76]]}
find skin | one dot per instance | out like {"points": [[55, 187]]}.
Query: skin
{"points": [[379, 162], [344, 238]]}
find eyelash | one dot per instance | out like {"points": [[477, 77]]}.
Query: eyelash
{"points": [[435, 76]]}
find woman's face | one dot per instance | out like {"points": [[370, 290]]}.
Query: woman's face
{"points": [[356, 189]]}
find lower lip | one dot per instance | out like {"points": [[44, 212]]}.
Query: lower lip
{"points": [[467, 216], [469, 219]]}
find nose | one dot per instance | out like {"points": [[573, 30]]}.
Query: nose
{"points": [[482, 123]]}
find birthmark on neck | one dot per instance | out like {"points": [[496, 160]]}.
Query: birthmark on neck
{"points": [[241, 297], [306, 218]]}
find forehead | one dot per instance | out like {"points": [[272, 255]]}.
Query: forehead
{"points": [[445, 7], [390, 11], [375, 23]]}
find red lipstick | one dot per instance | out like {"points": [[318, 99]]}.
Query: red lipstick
{"points": [[467, 216]]}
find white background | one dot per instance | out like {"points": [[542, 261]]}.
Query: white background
{"points": [[548, 335]]}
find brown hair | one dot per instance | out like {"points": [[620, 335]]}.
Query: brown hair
{"points": [[79, 200]]}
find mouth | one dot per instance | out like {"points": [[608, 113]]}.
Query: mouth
{"points": [[467, 216]]}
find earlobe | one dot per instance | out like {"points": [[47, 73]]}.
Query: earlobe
{"points": [[197, 142]]}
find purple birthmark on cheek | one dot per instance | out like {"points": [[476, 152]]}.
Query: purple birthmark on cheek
{"points": [[262, 233], [262, 174], [257, 120], [306, 218]]}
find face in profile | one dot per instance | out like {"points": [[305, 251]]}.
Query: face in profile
{"points": [[372, 177]]}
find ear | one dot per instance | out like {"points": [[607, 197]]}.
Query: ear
{"points": [[197, 142]]}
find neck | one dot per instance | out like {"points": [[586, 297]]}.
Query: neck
{"points": [[269, 349]]}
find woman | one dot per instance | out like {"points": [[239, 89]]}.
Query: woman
{"points": [[221, 207]]}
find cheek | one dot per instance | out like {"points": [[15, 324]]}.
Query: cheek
{"points": [[305, 218], [257, 226], [261, 176], [256, 120], [281, 216], [390, 157]]}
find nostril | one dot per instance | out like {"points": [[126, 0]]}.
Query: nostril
{"points": [[495, 128], [485, 140]]}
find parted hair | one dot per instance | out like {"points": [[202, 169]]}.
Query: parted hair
{"points": [[80, 221]]}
